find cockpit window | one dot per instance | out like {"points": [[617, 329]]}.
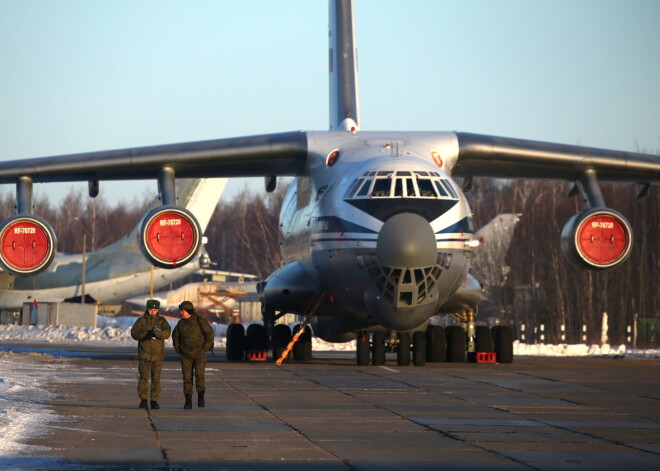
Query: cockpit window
{"points": [[364, 189], [382, 187], [450, 188], [401, 184], [352, 188], [411, 191], [441, 189], [398, 187]]}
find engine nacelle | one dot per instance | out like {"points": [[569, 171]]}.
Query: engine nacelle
{"points": [[596, 239], [27, 245], [170, 236]]}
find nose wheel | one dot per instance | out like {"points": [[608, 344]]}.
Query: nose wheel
{"points": [[374, 347]]}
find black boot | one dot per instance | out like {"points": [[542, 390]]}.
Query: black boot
{"points": [[200, 399], [154, 405], [143, 404], [188, 404]]}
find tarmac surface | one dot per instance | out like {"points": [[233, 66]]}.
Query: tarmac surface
{"points": [[329, 414]]}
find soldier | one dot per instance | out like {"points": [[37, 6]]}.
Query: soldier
{"points": [[150, 331], [192, 338]]}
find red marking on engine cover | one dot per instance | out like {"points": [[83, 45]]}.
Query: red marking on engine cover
{"points": [[602, 239], [25, 245], [170, 237]]}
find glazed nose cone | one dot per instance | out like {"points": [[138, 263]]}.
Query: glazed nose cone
{"points": [[406, 240]]}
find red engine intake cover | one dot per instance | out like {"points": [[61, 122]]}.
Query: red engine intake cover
{"points": [[27, 245], [170, 236], [597, 239]]}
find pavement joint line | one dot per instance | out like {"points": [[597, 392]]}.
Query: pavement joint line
{"points": [[448, 435], [548, 423], [578, 403], [300, 432], [557, 426], [151, 422]]}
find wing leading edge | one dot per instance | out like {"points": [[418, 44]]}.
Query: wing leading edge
{"points": [[267, 154], [492, 156]]}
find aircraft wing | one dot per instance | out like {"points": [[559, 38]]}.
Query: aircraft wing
{"points": [[268, 154], [503, 157]]}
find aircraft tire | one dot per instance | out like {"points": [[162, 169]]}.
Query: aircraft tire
{"points": [[456, 343], [503, 338], [281, 339], [256, 338], [235, 342], [362, 348], [378, 348], [302, 349], [484, 339], [403, 349], [419, 348], [436, 344]]}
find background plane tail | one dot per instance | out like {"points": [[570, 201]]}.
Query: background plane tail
{"points": [[489, 260], [198, 195]]}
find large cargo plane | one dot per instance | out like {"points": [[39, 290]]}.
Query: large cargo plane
{"points": [[376, 233]]}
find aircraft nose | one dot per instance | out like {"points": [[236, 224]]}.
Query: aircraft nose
{"points": [[406, 240]]}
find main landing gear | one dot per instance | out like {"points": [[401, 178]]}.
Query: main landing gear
{"points": [[252, 344], [436, 345]]}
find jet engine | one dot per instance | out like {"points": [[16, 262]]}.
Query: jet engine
{"points": [[27, 245], [596, 239], [169, 236]]}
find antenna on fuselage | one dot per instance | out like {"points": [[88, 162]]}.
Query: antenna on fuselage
{"points": [[344, 99]]}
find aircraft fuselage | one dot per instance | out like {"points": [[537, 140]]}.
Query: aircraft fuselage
{"points": [[382, 231]]}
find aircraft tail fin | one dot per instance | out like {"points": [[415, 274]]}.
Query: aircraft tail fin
{"points": [[344, 99]]}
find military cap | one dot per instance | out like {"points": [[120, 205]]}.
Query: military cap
{"points": [[187, 306], [153, 304]]}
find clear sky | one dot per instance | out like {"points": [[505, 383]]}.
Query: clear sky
{"points": [[80, 75]]}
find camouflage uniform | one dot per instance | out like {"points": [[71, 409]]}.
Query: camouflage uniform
{"points": [[192, 338], [150, 332]]}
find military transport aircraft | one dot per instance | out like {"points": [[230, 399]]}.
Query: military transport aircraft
{"points": [[376, 234], [118, 271]]}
